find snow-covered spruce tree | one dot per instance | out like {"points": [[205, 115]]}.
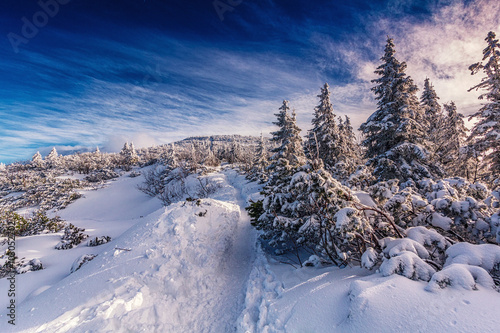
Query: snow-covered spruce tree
{"points": [[485, 134], [451, 152], [350, 152], [260, 162], [287, 139], [324, 138], [394, 134], [432, 116], [312, 210], [287, 157], [37, 160], [128, 156], [52, 160]]}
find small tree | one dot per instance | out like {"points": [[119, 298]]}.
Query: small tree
{"points": [[37, 160]]}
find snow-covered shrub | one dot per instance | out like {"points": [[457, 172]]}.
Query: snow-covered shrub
{"points": [[486, 256], [460, 276], [101, 176], [38, 223], [32, 265], [407, 264], [370, 258], [134, 174], [392, 247], [99, 241], [80, 261], [72, 237]]}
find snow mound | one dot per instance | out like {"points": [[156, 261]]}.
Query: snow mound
{"points": [[392, 247], [486, 256], [460, 276], [428, 237], [407, 264], [369, 258]]}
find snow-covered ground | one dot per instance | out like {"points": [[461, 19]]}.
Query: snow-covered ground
{"points": [[195, 266]]}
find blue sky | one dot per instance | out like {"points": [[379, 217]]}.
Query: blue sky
{"points": [[98, 73]]}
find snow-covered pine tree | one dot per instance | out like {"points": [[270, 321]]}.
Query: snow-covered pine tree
{"points": [[287, 138], [260, 161], [450, 149], [394, 134], [37, 160], [350, 152], [52, 160], [432, 117], [485, 135], [323, 139], [287, 157], [128, 156]]}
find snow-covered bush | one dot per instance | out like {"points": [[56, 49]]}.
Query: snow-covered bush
{"points": [[36, 224], [31, 266], [72, 237], [408, 264], [80, 261], [101, 176], [460, 276], [99, 241]]}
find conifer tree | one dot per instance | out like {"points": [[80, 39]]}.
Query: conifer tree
{"points": [[260, 161], [433, 119], [324, 137], [37, 160], [485, 135], [450, 149], [52, 160], [350, 152], [287, 138], [394, 135]]}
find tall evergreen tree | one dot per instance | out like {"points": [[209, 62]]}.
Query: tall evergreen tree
{"points": [[260, 161], [350, 153], [433, 118], [485, 135], [450, 148], [324, 138], [394, 135], [287, 138]]}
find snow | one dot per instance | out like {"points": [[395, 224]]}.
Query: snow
{"points": [[407, 264], [460, 276], [343, 217], [174, 270], [441, 221], [486, 256], [428, 237]]}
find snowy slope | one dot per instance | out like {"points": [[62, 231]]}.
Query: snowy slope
{"points": [[109, 211], [184, 273]]}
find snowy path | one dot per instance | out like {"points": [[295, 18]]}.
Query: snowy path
{"points": [[187, 271]]}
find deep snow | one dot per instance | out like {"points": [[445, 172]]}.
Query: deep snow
{"points": [[196, 267]]}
